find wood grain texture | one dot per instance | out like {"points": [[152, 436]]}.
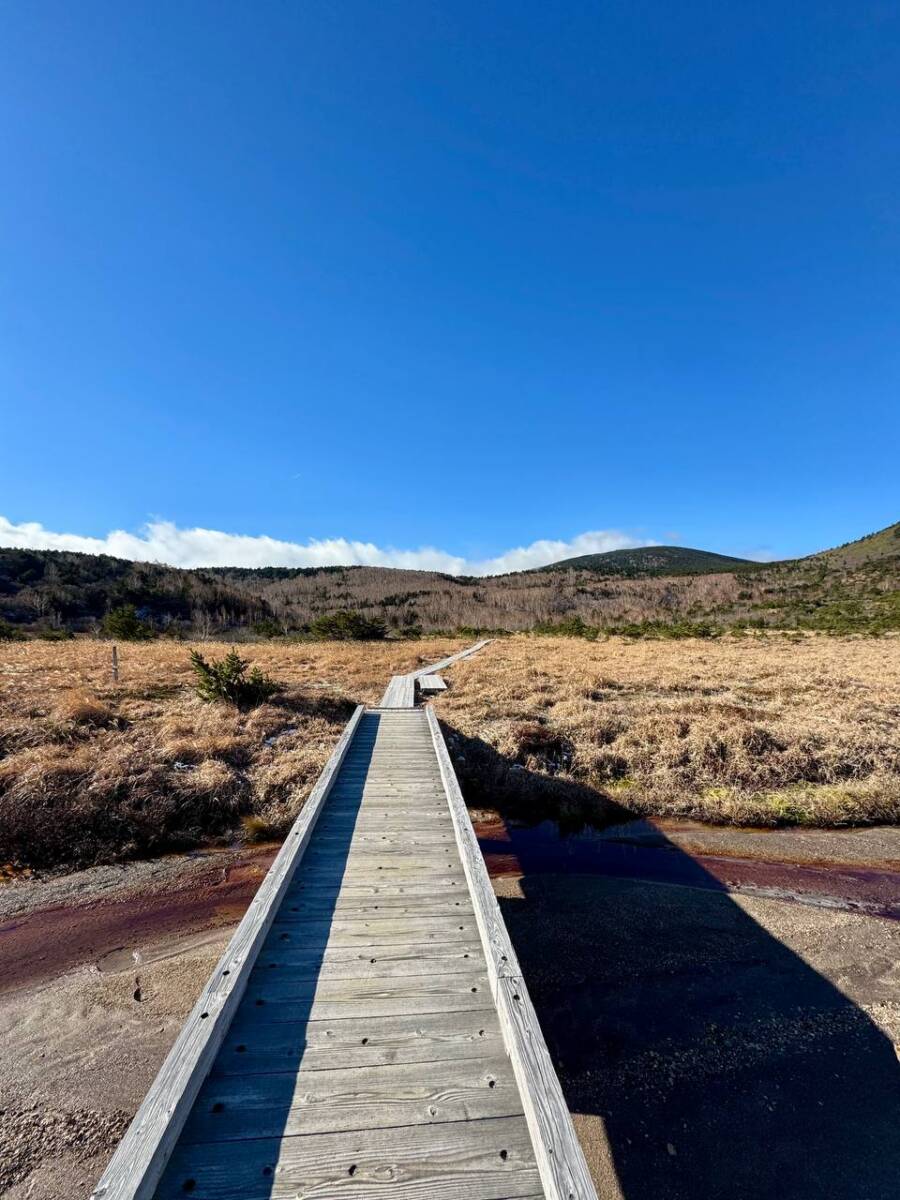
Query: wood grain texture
{"points": [[301, 1102], [251, 1048], [388, 887], [400, 692], [348, 962], [311, 905], [431, 685], [560, 1159], [323, 875], [454, 1160], [141, 1156], [407, 842], [374, 998], [377, 931], [359, 937]]}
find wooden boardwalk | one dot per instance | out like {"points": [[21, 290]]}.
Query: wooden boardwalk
{"points": [[401, 691], [370, 1034]]}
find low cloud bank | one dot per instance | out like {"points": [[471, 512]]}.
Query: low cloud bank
{"points": [[164, 542]]}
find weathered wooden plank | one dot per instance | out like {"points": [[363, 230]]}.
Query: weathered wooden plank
{"points": [[431, 685], [385, 808], [236, 1107], [407, 803], [365, 853], [454, 1160], [382, 766], [410, 792], [367, 822], [331, 999], [400, 907], [419, 806], [389, 883], [295, 926], [395, 839], [563, 1170], [400, 692], [355, 933], [141, 1156], [386, 887], [251, 1047], [396, 784], [349, 903], [365, 786], [328, 853], [329, 873], [403, 872], [387, 816], [416, 785], [385, 906], [371, 783], [349, 962], [316, 918]]}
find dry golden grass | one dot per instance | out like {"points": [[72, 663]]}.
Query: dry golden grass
{"points": [[91, 770], [757, 730], [768, 730]]}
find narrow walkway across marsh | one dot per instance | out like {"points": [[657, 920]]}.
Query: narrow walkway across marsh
{"points": [[368, 1031]]}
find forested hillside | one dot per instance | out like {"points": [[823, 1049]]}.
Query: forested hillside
{"points": [[52, 592]]}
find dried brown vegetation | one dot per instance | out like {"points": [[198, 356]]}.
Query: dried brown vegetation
{"points": [[91, 770], [763, 730]]}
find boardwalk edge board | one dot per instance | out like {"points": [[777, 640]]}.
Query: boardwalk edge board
{"points": [[141, 1156], [561, 1164]]}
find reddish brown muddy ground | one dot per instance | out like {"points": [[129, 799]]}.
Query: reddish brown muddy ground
{"points": [[109, 915]]}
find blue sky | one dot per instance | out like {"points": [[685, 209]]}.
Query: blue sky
{"points": [[458, 275]]}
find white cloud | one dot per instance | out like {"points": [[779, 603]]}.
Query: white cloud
{"points": [[164, 542], [545, 551]]}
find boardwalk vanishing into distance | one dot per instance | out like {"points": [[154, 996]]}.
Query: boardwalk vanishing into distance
{"points": [[367, 1031]]}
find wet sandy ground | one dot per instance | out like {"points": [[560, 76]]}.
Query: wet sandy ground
{"points": [[107, 915], [709, 1042], [98, 970]]}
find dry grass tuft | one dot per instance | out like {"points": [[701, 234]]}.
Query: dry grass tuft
{"points": [[83, 710], [760, 731]]}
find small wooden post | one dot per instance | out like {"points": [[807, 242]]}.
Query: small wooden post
{"points": [[115, 665]]}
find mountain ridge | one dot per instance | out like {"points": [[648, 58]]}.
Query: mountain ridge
{"points": [[855, 587]]}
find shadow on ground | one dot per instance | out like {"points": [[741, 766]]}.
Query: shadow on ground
{"points": [[700, 1054]]}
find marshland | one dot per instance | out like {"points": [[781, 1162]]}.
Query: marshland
{"points": [[137, 819], [763, 730]]}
